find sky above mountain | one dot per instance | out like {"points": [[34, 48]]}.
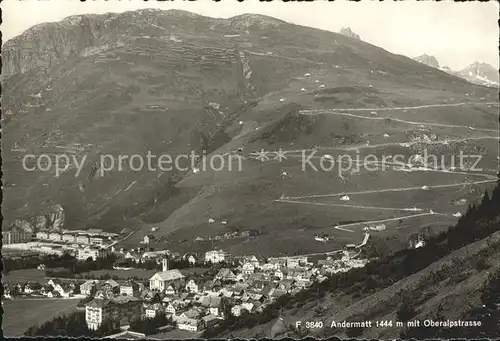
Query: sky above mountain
{"points": [[457, 34]]}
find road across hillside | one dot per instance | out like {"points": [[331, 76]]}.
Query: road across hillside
{"points": [[390, 190], [120, 240], [343, 227], [381, 118], [296, 199], [413, 107], [352, 206], [390, 144]]}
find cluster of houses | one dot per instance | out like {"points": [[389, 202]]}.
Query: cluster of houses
{"points": [[52, 289], [140, 254], [226, 236], [198, 302], [168, 293]]}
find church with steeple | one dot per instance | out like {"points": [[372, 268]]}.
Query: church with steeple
{"points": [[162, 280]]}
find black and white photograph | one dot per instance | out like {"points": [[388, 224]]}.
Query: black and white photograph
{"points": [[250, 169]]}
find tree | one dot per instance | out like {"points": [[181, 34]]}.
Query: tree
{"points": [[405, 312], [71, 325], [107, 327]]}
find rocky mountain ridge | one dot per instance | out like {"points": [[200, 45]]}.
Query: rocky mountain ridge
{"points": [[53, 219], [346, 31], [428, 60], [45, 44], [481, 73], [477, 73]]}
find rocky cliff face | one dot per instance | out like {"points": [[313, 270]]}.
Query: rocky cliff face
{"points": [[477, 73], [346, 31], [428, 60], [53, 219], [44, 45]]}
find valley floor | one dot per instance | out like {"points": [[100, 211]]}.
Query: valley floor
{"points": [[19, 314]]}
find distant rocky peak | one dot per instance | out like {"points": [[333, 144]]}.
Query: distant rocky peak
{"points": [[478, 67], [481, 73], [248, 19], [427, 60], [346, 31]]}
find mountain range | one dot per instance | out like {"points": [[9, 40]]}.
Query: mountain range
{"points": [[97, 87], [478, 73]]}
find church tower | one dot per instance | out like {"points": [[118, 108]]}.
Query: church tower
{"points": [[164, 264]]}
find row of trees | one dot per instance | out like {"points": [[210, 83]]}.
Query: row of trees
{"points": [[73, 267], [71, 325], [74, 325], [150, 326], [151, 264], [179, 263], [51, 261]]}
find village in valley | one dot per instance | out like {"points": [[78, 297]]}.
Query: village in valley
{"points": [[191, 292], [183, 173]]}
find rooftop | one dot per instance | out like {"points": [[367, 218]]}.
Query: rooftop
{"points": [[169, 275], [125, 299], [127, 335]]}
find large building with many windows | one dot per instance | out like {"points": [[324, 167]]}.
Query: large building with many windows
{"points": [[121, 310], [15, 237], [96, 240], [83, 239], [55, 236], [69, 237], [216, 256], [93, 252]]}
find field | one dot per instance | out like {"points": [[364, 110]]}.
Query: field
{"points": [[27, 275], [20, 314]]}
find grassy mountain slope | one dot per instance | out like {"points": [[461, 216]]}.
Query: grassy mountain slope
{"points": [[153, 81]]}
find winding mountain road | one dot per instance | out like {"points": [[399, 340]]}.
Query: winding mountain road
{"points": [[351, 206], [442, 105], [392, 119], [402, 189]]}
